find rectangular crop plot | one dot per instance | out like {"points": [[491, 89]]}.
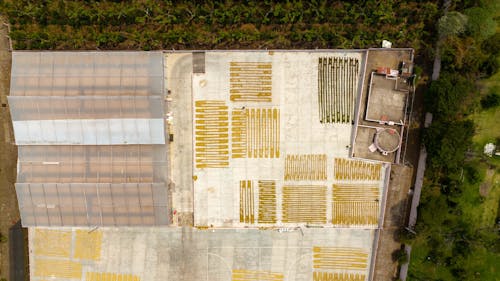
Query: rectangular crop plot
{"points": [[267, 201], [88, 245], [305, 167], [58, 268], [250, 81], [328, 276], [212, 134], [246, 202], [108, 276], [256, 275], [255, 133], [355, 192], [337, 87], [355, 204], [355, 213], [347, 169], [263, 133], [304, 204], [239, 133], [332, 258], [52, 243]]}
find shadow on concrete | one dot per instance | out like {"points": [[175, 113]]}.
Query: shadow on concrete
{"points": [[18, 252], [398, 212]]}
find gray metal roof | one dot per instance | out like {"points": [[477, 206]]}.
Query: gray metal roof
{"points": [[91, 137]]}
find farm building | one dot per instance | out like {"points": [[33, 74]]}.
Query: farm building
{"points": [[91, 138], [206, 165]]}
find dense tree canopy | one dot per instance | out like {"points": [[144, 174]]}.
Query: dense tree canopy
{"points": [[481, 23], [447, 143], [155, 24], [446, 97]]}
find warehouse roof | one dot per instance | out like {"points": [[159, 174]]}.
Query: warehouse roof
{"points": [[91, 137]]}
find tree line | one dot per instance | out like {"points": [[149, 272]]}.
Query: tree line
{"points": [[455, 245], [155, 24]]}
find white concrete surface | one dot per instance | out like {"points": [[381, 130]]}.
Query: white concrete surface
{"points": [[294, 92], [155, 254], [178, 75]]}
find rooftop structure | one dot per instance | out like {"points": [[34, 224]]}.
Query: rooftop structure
{"points": [[381, 123]]}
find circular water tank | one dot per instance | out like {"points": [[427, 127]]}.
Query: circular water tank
{"points": [[387, 140]]}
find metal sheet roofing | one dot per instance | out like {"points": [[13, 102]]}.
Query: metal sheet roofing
{"points": [[91, 138], [87, 98], [87, 74], [92, 204]]}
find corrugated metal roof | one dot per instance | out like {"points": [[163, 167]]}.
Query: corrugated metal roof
{"points": [[87, 74], [92, 204], [92, 164], [89, 131], [91, 135]]}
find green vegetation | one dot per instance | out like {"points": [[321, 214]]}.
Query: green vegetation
{"points": [[446, 144], [480, 23], [155, 24], [456, 234], [400, 256], [491, 100], [457, 229], [3, 238], [486, 121], [447, 97], [452, 24]]}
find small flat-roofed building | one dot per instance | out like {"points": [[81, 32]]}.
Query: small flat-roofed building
{"points": [[384, 107]]}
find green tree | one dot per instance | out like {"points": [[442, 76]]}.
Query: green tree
{"points": [[481, 23], [491, 100], [451, 24], [446, 96], [447, 142], [3, 238]]}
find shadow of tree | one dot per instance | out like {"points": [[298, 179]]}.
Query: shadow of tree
{"points": [[18, 252]]}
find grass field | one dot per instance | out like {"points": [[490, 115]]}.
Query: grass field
{"points": [[481, 212], [487, 120], [486, 126]]}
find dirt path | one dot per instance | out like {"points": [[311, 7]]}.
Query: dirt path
{"points": [[395, 217], [436, 69], [9, 214]]}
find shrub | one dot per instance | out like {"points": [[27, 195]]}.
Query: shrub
{"points": [[489, 66], [453, 23], [481, 23], [491, 100], [3, 238], [405, 236], [400, 256], [492, 44], [473, 173]]}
